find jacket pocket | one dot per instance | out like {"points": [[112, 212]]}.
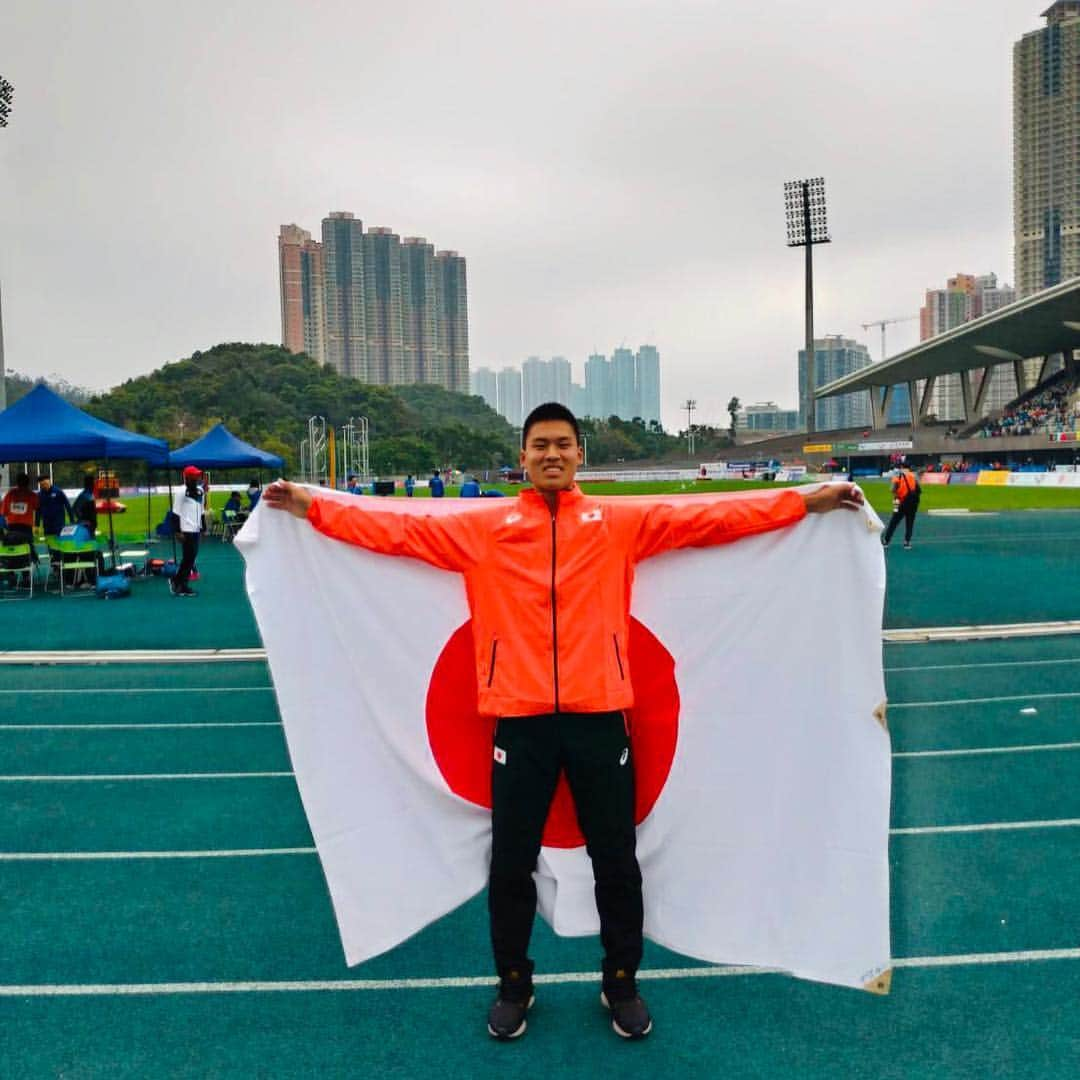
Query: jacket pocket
{"points": [[491, 665], [618, 657]]}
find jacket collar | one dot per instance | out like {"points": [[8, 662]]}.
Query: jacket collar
{"points": [[532, 498]]}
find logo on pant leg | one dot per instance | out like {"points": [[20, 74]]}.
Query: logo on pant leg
{"points": [[624, 757], [500, 755]]}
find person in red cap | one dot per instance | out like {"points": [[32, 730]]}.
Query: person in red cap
{"points": [[188, 509]]}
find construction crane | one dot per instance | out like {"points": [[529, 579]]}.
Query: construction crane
{"points": [[887, 322]]}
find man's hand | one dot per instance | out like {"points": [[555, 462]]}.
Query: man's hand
{"points": [[281, 495], [832, 497]]}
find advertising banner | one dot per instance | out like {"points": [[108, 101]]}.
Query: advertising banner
{"points": [[993, 478], [934, 478]]}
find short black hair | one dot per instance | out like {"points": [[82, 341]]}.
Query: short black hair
{"points": [[550, 410], [22, 480]]}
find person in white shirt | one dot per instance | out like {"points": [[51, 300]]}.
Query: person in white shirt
{"points": [[188, 510]]}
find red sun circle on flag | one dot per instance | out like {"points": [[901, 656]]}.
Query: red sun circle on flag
{"points": [[462, 740]]}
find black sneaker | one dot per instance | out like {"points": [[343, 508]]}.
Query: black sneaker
{"points": [[184, 591], [506, 1017], [629, 1014], [907, 545], [884, 542]]}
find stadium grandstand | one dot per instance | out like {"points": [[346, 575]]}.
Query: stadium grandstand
{"points": [[1032, 347]]}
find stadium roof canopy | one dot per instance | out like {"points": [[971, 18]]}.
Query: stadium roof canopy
{"points": [[1040, 325]]}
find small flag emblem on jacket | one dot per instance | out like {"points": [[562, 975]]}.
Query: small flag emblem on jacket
{"points": [[500, 755]]}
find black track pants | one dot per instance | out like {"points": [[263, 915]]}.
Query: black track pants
{"points": [[594, 750], [908, 509], [189, 543]]}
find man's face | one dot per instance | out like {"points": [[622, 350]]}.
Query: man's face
{"points": [[45, 483], [551, 455]]}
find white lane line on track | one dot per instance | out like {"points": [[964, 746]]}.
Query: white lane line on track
{"points": [[146, 690], [252, 853], [479, 981], [100, 777], [994, 826], [981, 700], [998, 664], [988, 750], [64, 778], [107, 856], [137, 727]]}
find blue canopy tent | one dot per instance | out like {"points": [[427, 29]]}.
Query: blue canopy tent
{"points": [[219, 448], [42, 426]]}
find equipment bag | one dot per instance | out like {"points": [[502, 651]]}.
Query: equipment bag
{"points": [[113, 586]]}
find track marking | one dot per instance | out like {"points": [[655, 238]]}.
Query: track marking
{"points": [[479, 981], [981, 700], [922, 634], [995, 826], [137, 727], [999, 664], [988, 750], [104, 777], [258, 853], [106, 856], [148, 690], [132, 656]]}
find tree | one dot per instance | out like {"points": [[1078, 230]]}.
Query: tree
{"points": [[733, 407]]}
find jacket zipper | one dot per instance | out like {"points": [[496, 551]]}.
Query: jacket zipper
{"points": [[491, 668], [554, 617], [618, 657]]}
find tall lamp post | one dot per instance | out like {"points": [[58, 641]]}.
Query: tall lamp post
{"points": [[804, 203], [7, 94]]}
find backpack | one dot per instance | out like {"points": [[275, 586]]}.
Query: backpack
{"points": [[112, 586]]}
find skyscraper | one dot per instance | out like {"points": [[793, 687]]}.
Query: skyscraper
{"points": [[598, 387], [343, 275], [965, 297], [624, 379], [484, 383], [375, 307], [560, 380], [836, 357], [509, 380], [303, 321], [1046, 150], [648, 382]]}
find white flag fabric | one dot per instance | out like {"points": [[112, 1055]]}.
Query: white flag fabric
{"points": [[764, 839]]}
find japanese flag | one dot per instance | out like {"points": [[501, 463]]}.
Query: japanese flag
{"points": [[762, 763]]}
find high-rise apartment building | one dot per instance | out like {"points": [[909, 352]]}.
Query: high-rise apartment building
{"points": [[598, 389], [509, 382], [624, 380], [303, 321], [537, 383], [1046, 150], [966, 297], [835, 357], [483, 382], [765, 417], [648, 383], [375, 307]]}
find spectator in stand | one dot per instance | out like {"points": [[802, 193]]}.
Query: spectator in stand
{"points": [[436, 486], [19, 508], [85, 507], [53, 507]]}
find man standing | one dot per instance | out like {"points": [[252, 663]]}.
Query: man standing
{"points": [[410, 485], [53, 507], [549, 595], [906, 492], [435, 485], [188, 509]]}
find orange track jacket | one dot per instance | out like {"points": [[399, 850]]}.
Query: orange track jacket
{"points": [[549, 593]]}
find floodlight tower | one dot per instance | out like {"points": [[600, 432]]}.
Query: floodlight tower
{"points": [[804, 202]]}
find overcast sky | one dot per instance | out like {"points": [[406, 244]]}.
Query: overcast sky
{"points": [[612, 171]]}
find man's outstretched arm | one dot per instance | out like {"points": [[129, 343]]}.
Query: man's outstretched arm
{"points": [[448, 541], [709, 521]]}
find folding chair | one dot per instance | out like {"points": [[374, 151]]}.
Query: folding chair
{"points": [[75, 557], [16, 565], [230, 526]]}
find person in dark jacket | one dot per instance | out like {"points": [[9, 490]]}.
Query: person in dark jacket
{"points": [[436, 486], [85, 508], [54, 510]]}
